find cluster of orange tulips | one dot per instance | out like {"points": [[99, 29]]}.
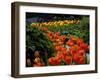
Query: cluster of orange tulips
{"points": [[59, 23], [36, 61], [71, 52]]}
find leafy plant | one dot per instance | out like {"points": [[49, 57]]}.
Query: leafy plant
{"points": [[37, 40]]}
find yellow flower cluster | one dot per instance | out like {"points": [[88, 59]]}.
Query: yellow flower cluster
{"points": [[56, 23]]}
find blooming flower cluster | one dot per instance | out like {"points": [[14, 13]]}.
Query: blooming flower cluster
{"points": [[56, 23], [71, 52]]}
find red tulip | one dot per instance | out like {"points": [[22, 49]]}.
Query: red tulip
{"points": [[53, 61], [79, 59], [59, 54], [73, 38], [69, 43], [84, 46], [73, 50], [58, 48], [79, 42], [57, 33], [81, 52], [60, 43], [68, 60], [62, 38]]}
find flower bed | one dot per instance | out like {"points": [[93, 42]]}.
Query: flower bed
{"points": [[57, 43]]}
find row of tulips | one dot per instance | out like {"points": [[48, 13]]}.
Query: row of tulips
{"points": [[56, 23], [72, 51], [67, 50]]}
